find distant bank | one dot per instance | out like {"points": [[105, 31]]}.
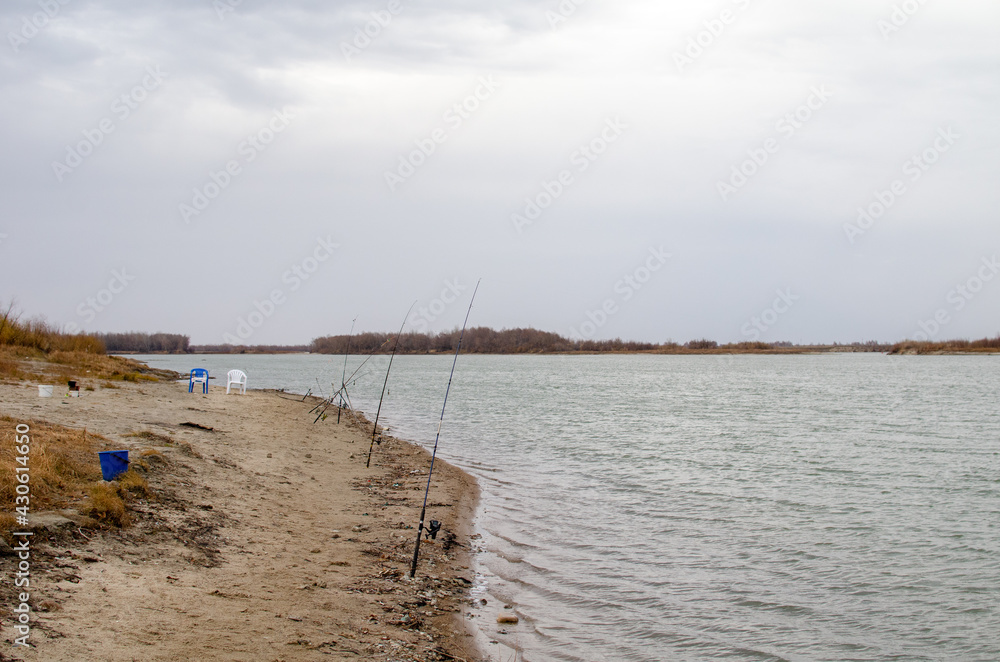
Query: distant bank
{"points": [[531, 341]]}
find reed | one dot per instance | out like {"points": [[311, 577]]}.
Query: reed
{"points": [[63, 464]]}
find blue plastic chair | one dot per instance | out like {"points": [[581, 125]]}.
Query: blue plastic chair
{"points": [[198, 376]]}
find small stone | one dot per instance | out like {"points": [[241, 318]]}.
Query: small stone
{"points": [[269, 455], [309, 455], [507, 618]]}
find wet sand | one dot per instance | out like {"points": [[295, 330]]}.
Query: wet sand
{"points": [[268, 538]]}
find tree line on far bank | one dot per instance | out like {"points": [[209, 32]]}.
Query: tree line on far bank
{"points": [[39, 336], [138, 342], [484, 340], [477, 340]]}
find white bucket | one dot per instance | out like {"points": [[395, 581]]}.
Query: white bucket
{"points": [[44, 391]]}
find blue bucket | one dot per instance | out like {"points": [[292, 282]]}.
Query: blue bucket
{"points": [[113, 463]]}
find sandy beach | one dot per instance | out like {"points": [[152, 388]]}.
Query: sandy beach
{"points": [[266, 538]]}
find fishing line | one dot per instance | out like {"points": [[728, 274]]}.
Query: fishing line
{"points": [[329, 401], [423, 511], [343, 376], [384, 384]]}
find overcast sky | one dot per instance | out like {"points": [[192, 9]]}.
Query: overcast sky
{"points": [[652, 170]]}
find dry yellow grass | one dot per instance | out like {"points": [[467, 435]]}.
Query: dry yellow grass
{"points": [[164, 439], [131, 484], [109, 501], [34, 349], [7, 522], [107, 506], [100, 366], [65, 472], [13, 364], [981, 346], [29, 364], [62, 462], [39, 334], [149, 435]]}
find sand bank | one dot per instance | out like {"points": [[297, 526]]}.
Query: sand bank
{"points": [[268, 539]]}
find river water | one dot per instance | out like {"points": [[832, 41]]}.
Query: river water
{"points": [[823, 507]]}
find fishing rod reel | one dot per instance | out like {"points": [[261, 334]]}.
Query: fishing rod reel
{"points": [[432, 530]]}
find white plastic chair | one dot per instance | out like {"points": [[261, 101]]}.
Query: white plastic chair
{"points": [[237, 377]]}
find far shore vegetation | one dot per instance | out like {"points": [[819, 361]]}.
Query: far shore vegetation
{"points": [[33, 350], [35, 338]]}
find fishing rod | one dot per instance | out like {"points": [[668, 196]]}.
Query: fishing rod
{"points": [[342, 391], [384, 384], [347, 353], [432, 531], [329, 401], [326, 402]]}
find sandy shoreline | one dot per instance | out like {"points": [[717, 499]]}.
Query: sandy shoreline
{"points": [[268, 538]]}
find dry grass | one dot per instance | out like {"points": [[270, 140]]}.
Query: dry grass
{"points": [[13, 363], [132, 484], [7, 522], [149, 435], [40, 335], [27, 343], [981, 346], [166, 440], [107, 505], [149, 458], [109, 501], [100, 366], [62, 462], [65, 472], [27, 364]]}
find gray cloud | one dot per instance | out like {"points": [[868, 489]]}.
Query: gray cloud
{"points": [[355, 118]]}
